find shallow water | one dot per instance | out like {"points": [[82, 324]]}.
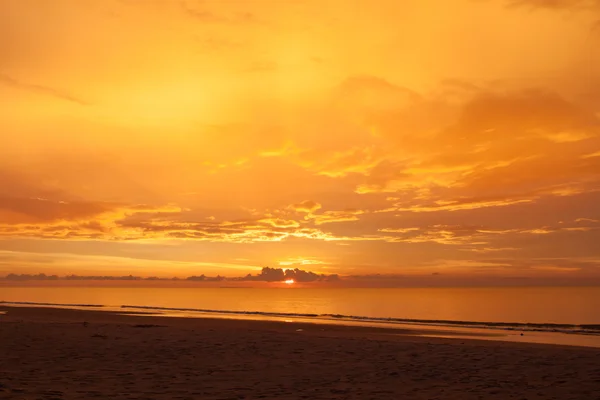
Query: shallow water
{"points": [[551, 315], [545, 305]]}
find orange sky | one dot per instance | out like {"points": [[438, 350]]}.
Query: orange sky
{"points": [[352, 137]]}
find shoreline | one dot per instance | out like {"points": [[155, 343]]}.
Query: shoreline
{"points": [[463, 332], [592, 329], [550, 333], [76, 354], [75, 315]]}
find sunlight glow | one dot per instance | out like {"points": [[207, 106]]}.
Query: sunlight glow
{"points": [[207, 139]]}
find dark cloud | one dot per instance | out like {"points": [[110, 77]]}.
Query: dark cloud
{"points": [[297, 275], [29, 277], [204, 278], [267, 275], [36, 210]]}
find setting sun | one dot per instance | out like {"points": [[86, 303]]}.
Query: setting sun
{"points": [[289, 282]]}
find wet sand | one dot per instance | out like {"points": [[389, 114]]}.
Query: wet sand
{"points": [[72, 354]]}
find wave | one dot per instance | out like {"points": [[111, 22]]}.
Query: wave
{"points": [[585, 329], [593, 329], [29, 303]]}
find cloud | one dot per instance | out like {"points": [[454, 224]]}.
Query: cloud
{"points": [[483, 238], [14, 182], [503, 149], [43, 218], [307, 206], [441, 234], [266, 275], [310, 208], [592, 6], [280, 223], [457, 204], [555, 268], [591, 155], [500, 149], [216, 43], [339, 164], [238, 231], [198, 11], [40, 89], [590, 220], [463, 146], [555, 4], [263, 66], [582, 265], [372, 95], [39, 210], [484, 250], [301, 261], [297, 275], [328, 217], [55, 262], [57, 219]]}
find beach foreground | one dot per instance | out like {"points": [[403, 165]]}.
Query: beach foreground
{"points": [[72, 354]]}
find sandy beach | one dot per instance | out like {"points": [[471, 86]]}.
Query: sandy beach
{"points": [[72, 354]]}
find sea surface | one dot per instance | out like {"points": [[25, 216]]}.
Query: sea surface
{"points": [[535, 310]]}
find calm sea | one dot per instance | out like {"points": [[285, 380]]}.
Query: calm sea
{"points": [[538, 305]]}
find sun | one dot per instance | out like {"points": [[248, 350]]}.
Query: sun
{"points": [[289, 281]]}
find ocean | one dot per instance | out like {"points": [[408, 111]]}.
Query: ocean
{"points": [[522, 305]]}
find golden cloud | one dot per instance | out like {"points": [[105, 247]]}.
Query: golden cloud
{"points": [[516, 147], [328, 217], [307, 206], [41, 218], [457, 205], [479, 236]]}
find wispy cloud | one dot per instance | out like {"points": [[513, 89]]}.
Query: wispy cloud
{"points": [[41, 89], [562, 5], [198, 11], [556, 4], [47, 219]]}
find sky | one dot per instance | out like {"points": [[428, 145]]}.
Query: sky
{"points": [[397, 137]]}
